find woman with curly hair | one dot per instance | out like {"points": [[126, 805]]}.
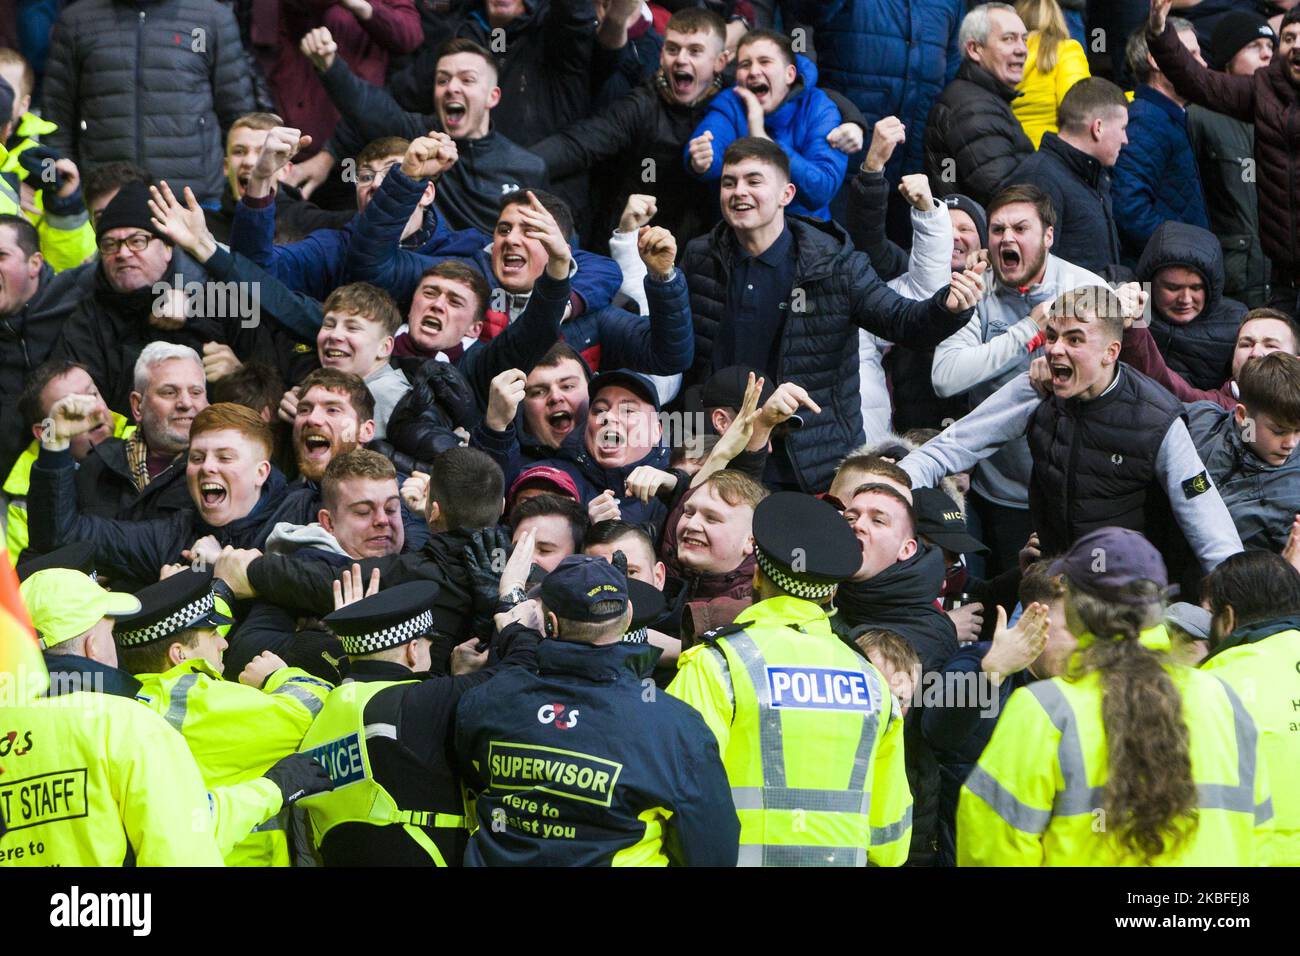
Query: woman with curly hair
{"points": [[1129, 758]]}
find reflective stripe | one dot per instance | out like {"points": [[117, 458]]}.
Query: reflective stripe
{"points": [[770, 737], [381, 730], [178, 700], [1005, 804], [1078, 798], [862, 759], [275, 823], [779, 855], [796, 798], [1264, 811], [895, 831], [304, 697], [725, 671]]}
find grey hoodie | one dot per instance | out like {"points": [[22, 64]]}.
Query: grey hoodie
{"points": [[287, 538]]}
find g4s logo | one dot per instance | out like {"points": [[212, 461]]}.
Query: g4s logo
{"points": [[555, 714], [8, 740]]}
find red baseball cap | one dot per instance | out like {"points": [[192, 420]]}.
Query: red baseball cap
{"points": [[557, 478]]}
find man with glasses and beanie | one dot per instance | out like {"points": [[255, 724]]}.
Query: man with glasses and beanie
{"points": [[809, 732], [584, 762]]}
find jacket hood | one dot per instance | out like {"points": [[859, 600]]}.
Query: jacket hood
{"points": [[288, 538], [1181, 244]]}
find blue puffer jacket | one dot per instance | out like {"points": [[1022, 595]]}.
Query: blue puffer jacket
{"points": [[891, 59], [799, 126], [1155, 178]]}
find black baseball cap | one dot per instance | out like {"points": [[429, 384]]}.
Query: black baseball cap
{"points": [[938, 519], [581, 582], [725, 388], [634, 382]]}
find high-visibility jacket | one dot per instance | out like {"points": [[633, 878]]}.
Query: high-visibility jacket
{"points": [[19, 481], [1037, 795], [1264, 670], [236, 733], [809, 735], [66, 241], [97, 780], [338, 740]]}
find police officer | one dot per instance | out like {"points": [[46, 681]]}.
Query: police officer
{"points": [[585, 762], [235, 732], [1164, 757], [384, 734], [148, 778], [808, 730]]}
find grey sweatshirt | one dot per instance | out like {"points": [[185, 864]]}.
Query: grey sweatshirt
{"points": [[1005, 417]]}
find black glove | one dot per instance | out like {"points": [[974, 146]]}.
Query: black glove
{"points": [[36, 160], [620, 563], [298, 776], [422, 423], [484, 579]]}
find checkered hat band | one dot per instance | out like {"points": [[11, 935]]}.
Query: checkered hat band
{"points": [[803, 589], [357, 644], [176, 621]]}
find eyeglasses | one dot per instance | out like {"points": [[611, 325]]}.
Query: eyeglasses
{"points": [[136, 243], [367, 176]]}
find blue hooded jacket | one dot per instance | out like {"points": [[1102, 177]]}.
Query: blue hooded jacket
{"points": [[799, 126]]}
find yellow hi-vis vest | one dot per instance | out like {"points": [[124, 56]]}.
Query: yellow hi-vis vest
{"points": [[1037, 795], [1266, 675], [97, 780], [337, 739], [809, 738], [236, 733], [66, 241]]}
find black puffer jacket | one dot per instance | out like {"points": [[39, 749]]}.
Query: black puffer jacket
{"points": [[616, 145], [819, 345], [105, 487], [971, 125], [155, 82], [543, 63], [1200, 350], [1079, 188], [423, 420]]}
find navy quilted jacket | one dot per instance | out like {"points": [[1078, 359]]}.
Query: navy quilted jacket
{"points": [[1155, 177]]}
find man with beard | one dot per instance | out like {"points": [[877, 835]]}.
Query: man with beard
{"points": [[997, 344], [1108, 446], [650, 126], [142, 476], [529, 416], [465, 93], [1267, 98]]}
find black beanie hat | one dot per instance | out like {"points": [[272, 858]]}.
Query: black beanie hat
{"points": [[973, 209], [7, 97], [1233, 32], [129, 208]]}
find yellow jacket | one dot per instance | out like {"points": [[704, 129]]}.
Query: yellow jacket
{"points": [[1266, 675], [1043, 92], [1036, 797], [66, 241]]}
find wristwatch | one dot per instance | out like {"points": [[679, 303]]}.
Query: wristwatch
{"points": [[516, 595]]}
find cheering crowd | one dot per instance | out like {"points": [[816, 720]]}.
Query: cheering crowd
{"points": [[345, 342]]}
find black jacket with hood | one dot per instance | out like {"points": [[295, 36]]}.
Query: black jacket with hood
{"points": [[1201, 350]]}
